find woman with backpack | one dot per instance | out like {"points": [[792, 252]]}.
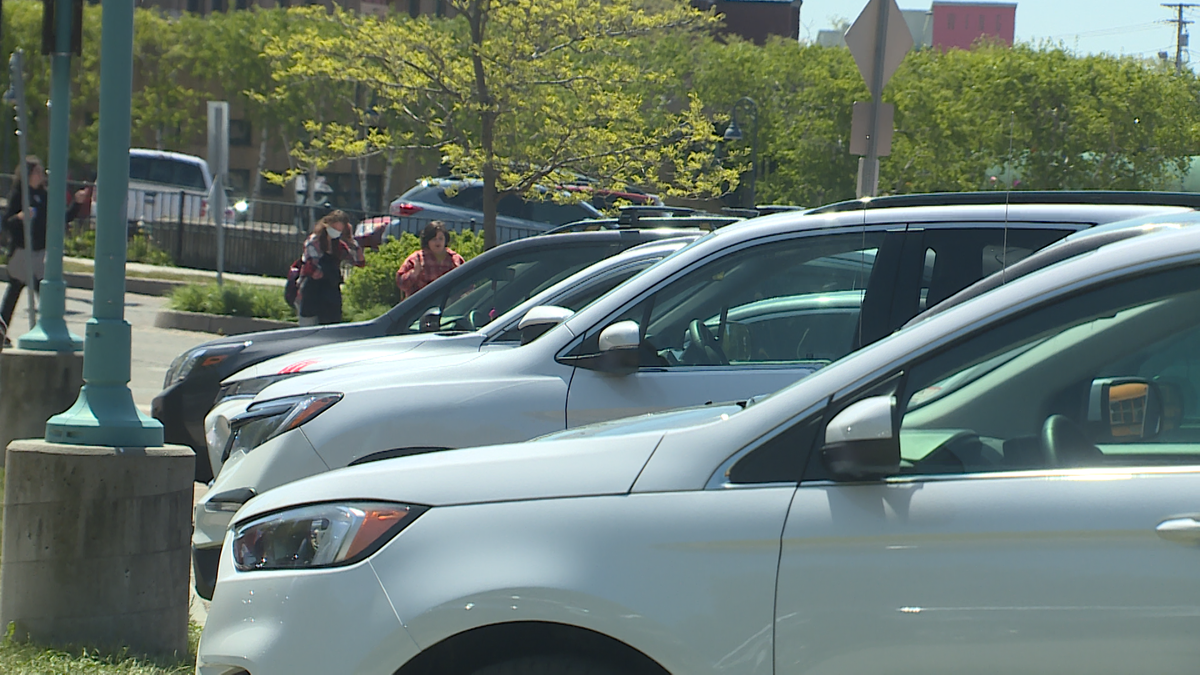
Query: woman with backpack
{"points": [[319, 297]]}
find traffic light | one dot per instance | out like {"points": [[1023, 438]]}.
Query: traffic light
{"points": [[49, 25]]}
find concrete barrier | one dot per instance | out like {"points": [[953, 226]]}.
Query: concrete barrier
{"points": [[96, 545], [35, 386]]}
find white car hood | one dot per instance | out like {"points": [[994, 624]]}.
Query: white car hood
{"points": [[372, 373], [521, 471], [376, 350]]}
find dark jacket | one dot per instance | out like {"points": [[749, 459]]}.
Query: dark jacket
{"points": [[14, 226]]}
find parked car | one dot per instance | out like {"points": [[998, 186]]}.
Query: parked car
{"points": [[461, 201], [166, 186], [1008, 486], [514, 328], [515, 271], [746, 310]]}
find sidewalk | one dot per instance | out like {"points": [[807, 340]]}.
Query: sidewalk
{"points": [[144, 279]]}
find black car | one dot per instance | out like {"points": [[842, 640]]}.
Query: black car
{"points": [[514, 271]]}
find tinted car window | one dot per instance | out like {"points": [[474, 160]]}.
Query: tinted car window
{"points": [[472, 301], [139, 168], [464, 198], [557, 214]]}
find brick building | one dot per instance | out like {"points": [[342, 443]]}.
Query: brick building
{"points": [[957, 25]]}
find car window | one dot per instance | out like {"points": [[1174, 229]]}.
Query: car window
{"points": [[475, 299], [139, 168], [958, 257], [462, 197], [1108, 378], [512, 206], [783, 302], [578, 298], [557, 214]]}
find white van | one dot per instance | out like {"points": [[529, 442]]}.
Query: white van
{"points": [[163, 186]]}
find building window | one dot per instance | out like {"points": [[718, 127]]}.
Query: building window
{"points": [[414, 8], [242, 4], [950, 22], [220, 5], [239, 132], [194, 7], [999, 23], [439, 8]]}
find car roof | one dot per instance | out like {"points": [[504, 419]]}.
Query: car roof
{"points": [[166, 154], [994, 197], [931, 216]]}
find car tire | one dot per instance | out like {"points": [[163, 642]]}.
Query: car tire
{"points": [[548, 665]]}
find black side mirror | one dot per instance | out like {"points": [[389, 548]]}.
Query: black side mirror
{"points": [[431, 320]]}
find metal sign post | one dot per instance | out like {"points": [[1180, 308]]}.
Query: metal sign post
{"points": [[218, 163], [16, 70], [878, 41]]}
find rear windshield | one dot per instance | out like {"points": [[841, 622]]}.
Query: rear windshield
{"points": [[165, 171]]}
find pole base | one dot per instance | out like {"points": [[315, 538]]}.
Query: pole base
{"points": [[105, 415], [47, 337]]}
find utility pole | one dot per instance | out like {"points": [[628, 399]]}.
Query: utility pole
{"points": [[1180, 36]]}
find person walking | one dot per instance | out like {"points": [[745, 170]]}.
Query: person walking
{"points": [[430, 262], [331, 241], [19, 272]]}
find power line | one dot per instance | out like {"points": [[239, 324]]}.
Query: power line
{"points": [[1180, 36]]}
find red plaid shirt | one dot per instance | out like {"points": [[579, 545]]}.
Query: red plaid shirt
{"points": [[410, 282]]}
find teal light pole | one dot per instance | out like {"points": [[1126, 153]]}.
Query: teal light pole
{"points": [[51, 334], [105, 413]]}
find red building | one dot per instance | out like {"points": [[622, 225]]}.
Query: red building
{"points": [[957, 25]]}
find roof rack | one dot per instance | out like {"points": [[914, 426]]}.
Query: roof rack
{"points": [[1100, 197], [631, 217]]}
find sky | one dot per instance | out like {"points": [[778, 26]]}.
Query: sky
{"points": [[1121, 27]]}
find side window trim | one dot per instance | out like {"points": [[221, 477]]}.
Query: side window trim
{"points": [[719, 479]]}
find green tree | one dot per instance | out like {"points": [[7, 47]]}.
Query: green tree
{"points": [[531, 92], [166, 106]]}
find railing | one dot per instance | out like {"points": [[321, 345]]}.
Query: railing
{"points": [[262, 239]]}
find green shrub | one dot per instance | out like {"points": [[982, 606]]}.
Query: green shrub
{"points": [[140, 249], [233, 299], [370, 291]]}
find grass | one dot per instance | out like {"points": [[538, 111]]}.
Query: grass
{"points": [[30, 659]]}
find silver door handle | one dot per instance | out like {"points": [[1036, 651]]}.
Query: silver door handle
{"points": [[1180, 530]]}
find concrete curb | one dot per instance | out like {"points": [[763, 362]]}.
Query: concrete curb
{"points": [[215, 323]]}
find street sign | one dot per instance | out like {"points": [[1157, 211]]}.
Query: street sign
{"points": [[860, 124], [863, 36], [878, 40]]}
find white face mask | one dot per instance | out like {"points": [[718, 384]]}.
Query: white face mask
{"points": [[333, 232]]}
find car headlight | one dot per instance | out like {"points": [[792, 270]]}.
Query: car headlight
{"points": [[203, 357], [319, 535], [250, 387], [268, 419]]}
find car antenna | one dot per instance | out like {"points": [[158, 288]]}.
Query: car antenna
{"points": [[1012, 123]]}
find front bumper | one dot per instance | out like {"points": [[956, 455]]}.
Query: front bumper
{"points": [[287, 458], [314, 621], [181, 409]]}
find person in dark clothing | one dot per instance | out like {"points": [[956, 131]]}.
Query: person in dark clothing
{"points": [[331, 242], [19, 272]]}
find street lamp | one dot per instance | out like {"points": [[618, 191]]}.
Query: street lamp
{"points": [[734, 133]]}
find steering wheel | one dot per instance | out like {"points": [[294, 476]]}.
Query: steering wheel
{"points": [[700, 335], [1065, 445], [477, 319]]}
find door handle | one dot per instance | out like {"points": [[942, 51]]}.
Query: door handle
{"points": [[1180, 530]]}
